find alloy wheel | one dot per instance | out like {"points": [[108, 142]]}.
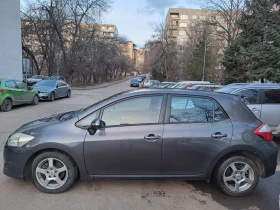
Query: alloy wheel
{"points": [[51, 173], [238, 176], [8, 105]]}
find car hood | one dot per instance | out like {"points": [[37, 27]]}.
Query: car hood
{"points": [[53, 119], [42, 88]]}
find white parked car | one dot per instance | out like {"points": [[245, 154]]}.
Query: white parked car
{"points": [[35, 78], [148, 83]]}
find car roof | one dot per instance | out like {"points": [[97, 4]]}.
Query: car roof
{"points": [[256, 85], [173, 91]]}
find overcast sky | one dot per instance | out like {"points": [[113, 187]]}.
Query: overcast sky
{"points": [[135, 19]]}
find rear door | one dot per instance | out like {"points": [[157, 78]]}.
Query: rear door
{"points": [[252, 98], [13, 92], [271, 108], [196, 131]]}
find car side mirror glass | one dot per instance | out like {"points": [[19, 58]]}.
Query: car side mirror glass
{"points": [[29, 88], [96, 124]]}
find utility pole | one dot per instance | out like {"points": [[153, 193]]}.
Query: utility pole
{"points": [[204, 60]]}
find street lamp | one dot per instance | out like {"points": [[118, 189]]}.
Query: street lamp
{"points": [[204, 59]]}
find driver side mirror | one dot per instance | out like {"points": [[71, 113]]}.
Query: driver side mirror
{"points": [[96, 124], [29, 88]]}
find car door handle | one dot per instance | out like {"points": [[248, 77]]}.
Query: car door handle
{"points": [[255, 109], [152, 138], [219, 135]]}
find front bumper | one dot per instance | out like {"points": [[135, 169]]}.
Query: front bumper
{"points": [[15, 160], [268, 155], [44, 96]]}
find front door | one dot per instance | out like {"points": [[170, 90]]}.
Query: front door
{"points": [[131, 142], [13, 92], [195, 133], [26, 95]]}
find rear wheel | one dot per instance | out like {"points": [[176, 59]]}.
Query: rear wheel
{"points": [[237, 176], [35, 100], [53, 172], [7, 105], [52, 97]]}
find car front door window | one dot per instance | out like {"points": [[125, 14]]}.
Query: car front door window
{"points": [[143, 110]]}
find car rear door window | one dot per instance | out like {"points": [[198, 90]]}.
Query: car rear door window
{"points": [[272, 96], [249, 96], [142, 110], [10, 84], [193, 110]]}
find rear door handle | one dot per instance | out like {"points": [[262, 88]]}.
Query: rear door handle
{"points": [[152, 138], [219, 135]]}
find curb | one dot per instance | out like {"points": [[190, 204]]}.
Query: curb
{"points": [[105, 85]]}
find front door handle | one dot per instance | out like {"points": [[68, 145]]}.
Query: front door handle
{"points": [[152, 138], [219, 135]]}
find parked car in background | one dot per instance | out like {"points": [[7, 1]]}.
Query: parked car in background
{"points": [[262, 99], [134, 82], [204, 87], [52, 89], [35, 78], [157, 134], [187, 84], [14, 92], [149, 82], [57, 78], [163, 85]]}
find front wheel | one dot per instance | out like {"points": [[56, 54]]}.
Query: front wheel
{"points": [[68, 94], [237, 176], [52, 97], [35, 100], [53, 172]]}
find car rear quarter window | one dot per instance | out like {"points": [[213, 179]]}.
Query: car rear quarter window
{"points": [[272, 96], [142, 110], [195, 110], [10, 84]]}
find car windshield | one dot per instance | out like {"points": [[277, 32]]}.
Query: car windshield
{"points": [[134, 80], [36, 77], [48, 83], [227, 89]]}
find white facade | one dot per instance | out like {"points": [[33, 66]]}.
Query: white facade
{"points": [[10, 40]]}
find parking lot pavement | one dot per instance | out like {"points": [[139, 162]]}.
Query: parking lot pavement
{"points": [[115, 194]]}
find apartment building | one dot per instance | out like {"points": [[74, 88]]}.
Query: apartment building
{"points": [[108, 31], [180, 23]]}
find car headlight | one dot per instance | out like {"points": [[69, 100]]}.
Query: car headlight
{"points": [[19, 139]]}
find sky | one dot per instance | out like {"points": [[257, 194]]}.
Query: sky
{"points": [[135, 19]]}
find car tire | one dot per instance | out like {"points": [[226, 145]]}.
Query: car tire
{"points": [[56, 177], [237, 176], [7, 105], [35, 100], [52, 96], [68, 94]]}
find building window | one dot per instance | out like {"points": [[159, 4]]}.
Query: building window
{"points": [[181, 48], [202, 17], [184, 17], [194, 17], [175, 23], [183, 25], [182, 33], [174, 15]]}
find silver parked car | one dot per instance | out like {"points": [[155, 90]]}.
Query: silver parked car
{"points": [[52, 89], [262, 99]]}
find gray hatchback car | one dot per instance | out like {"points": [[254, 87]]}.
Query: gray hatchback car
{"points": [[262, 99], [146, 134]]}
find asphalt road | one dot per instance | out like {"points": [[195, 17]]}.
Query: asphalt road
{"points": [[115, 194]]}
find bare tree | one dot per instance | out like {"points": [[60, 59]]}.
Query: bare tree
{"points": [[226, 14]]}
